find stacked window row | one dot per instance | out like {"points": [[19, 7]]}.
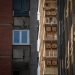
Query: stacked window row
{"points": [[21, 32], [50, 22]]}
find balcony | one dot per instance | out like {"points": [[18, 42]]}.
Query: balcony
{"points": [[21, 54]]}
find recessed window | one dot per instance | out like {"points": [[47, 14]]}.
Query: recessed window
{"points": [[21, 37], [54, 62], [48, 45], [54, 45]]}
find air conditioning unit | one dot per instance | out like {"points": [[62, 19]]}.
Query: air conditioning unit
{"points": [[21, 37]]}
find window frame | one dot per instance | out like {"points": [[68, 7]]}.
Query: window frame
{"points": [[20, 37]]}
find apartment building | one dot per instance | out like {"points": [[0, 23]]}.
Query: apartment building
{"points": [[18, 37], [48, 37]]}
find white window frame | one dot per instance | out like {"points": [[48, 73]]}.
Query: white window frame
{"points": [[20, 41]]}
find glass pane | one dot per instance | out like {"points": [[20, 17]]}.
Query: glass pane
{"points": [[16, 36], [24, 36]]}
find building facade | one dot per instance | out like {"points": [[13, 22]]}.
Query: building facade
{"points": [[66, 54], [48, 37], [18, 42]]}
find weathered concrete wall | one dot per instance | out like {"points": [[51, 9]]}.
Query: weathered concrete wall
{"points": [[33, 36]]}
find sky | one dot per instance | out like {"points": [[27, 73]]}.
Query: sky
{"points": [[38, 41]]}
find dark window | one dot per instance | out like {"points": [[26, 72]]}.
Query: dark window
{"points": [[21, 7]]}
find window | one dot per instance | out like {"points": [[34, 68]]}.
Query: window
{"points": [[21, 37], [54, 45], [48, 20], [21, 7], [48, 62], [47, 45], [54, 62], [48, 29], [54, 29]]}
